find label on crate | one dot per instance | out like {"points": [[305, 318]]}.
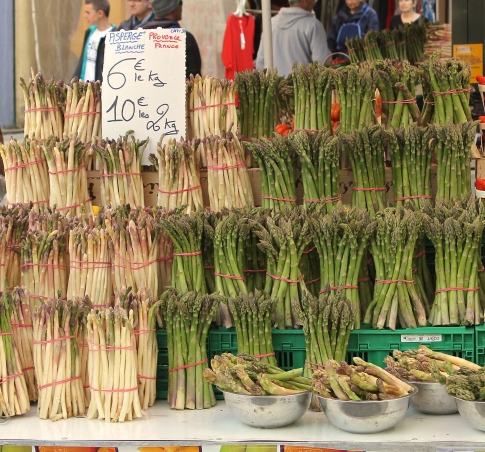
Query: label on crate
{"points": [[144, 85], [421, 338]]}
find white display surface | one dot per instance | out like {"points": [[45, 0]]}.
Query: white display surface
{"points": [[163, 427]]}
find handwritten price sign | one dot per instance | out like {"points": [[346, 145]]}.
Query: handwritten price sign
{"points": [[144, 85]]}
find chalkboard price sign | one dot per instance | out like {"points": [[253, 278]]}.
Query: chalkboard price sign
{"points": [[144, 85]]}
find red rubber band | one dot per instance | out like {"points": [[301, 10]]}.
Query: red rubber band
{"points": [[74, 206], [404, 101], [452, 289], [451, 91], [42, 109], [43, 201], [404, 198], [28, 368], [178, 191], [310, 250], [291, 281], [481, 270], [32, 264], [146, 378], [369, 46], [9, 377], [187, 365], [255, 271], [369, 189], [315, 364], [209, 267], [363, 279], [100, 347], [21, 325], [24, 165], [102, 265], [228, 167], [265, 355], [391, 281], [67, 170], [118, 174], [203, 107], [312, 281], [188, 254], [83, 113], [414, 271], [238, 278], [421, 254], [144, 331], [54, 340], [6, 333], [55, 383], [279, 199]]}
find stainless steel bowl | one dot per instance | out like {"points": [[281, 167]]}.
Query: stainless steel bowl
{"points": [[365, 416], [473, 412], [270, 411], [432, 398]]}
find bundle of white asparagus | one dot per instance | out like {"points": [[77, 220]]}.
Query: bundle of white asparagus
{"points": [[134, 249], [26, 177], [14, 397], [44, 101], [90, 264], [67, 176], [178, 175], [22, 329], [83, 113], [44, 266], [145, 312], [57, 359], [112, 366], [439, 38], [228, 180], [120, 166]]}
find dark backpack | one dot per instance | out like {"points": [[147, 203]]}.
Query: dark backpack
{"points": [[350, 30]]}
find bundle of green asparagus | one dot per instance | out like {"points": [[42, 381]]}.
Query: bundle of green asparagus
{"points": [[244, 374], [13, 224], [112, 366], [252, 315], [187, 265], [365, 149], [356, 88], [44, 103], [263, 98], [395, 296], [187, 318], [446, 90], [362, 381], [319, 155], [398, 92], [313, 96], [456, 229], [452, 143], [67, 175], [90, 264], [22, 330], [178, 174], [134, 244], [211, 106], [467, 384], [341, 240], [276, 160], [120, 167], [425, 364], [83, 113], [26, 175], [44, 266], [57, 359], [327, 322], [365, 48], [144, 313], [14, 395], [227, 175], [284, 238]]}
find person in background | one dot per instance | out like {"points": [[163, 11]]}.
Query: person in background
{"points": [[297, 37], [90, 66], [167, 15], [141, 14], [408, 14], [354, 19]]}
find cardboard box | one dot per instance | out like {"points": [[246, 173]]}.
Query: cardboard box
{"points": [[150, 183]]}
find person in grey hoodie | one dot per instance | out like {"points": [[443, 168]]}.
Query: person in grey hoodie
{"points": [[297, 37]]}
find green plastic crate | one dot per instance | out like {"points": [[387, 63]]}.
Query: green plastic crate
{"points": [[480, 345], [162, 339], [162, 365]]}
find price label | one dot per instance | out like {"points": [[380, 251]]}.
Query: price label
{"points": [[144, 85], [421, 338]]}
